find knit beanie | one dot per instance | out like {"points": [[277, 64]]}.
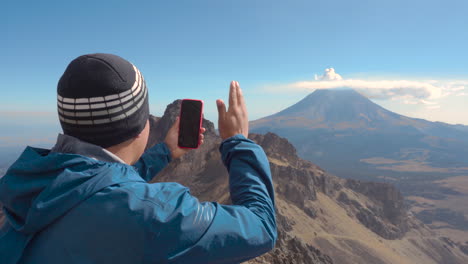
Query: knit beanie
{"points": [[102, 99]]}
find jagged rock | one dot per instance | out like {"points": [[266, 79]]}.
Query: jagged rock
{"points": [[291, 250], [448, 241], [310, 211], [296, 185], [343, 198], [160, 125], [389, 218], [283, 222], [374, 223], [203, 172], [298, 181], [277, 148], [370, 217], [464, 248]]}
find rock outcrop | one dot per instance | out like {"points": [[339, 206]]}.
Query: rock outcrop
{"points": [[387, 216], [305, 191], [203, 171]]}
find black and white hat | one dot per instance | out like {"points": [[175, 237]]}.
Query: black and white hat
{"points": [[102, 99]]}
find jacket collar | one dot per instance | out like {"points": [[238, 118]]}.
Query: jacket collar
{"points": [[72, 145]]}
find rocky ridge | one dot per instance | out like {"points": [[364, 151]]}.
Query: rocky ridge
{"points": [[305, 194], [203, 171], [321, 218]]}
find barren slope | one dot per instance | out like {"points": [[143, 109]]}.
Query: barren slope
{"points": [[322, 218]]}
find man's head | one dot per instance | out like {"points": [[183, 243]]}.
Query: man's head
{"points": [[102, 99]]}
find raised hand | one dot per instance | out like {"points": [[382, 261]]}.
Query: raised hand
{"points": [[235, 120]]}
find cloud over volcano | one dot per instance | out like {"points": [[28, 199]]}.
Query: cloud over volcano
{"points": [[409, 91]]}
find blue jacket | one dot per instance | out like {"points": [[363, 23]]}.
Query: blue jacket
{"points": [[71, 208]]}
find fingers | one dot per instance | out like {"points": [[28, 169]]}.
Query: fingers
{"points": [[175, 125], [233, 93], [238, 92], [221, 108], [202, 139], [240, 96], [202, 130]]}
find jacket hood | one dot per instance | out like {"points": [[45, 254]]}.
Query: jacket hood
{"points": [[41, 186]]}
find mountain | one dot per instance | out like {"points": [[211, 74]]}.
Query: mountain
{"points": [[321, 218], [350, 136]]}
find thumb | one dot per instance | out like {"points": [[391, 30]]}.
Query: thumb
{"points": [[221, 108]]}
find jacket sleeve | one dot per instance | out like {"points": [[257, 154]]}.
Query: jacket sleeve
{"points": [[153, 161], [215, 233]]}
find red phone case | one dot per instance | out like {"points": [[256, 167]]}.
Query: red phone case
{"points": [[201, 121]]}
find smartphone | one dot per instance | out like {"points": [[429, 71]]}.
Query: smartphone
{"points": [[191, 116]]}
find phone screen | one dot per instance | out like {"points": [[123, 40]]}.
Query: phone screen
{"points": [[190, 118]]}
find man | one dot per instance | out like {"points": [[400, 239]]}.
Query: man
{"points": [[87, 199]]}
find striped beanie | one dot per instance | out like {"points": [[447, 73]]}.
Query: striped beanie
{"points": [[102, 99]]}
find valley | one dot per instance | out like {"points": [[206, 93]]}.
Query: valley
{"points": [[446, 211]]}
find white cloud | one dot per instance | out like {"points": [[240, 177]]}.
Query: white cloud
{"points": [[410, 102], [329, 75], [458, 88], [412, 92], [433, 107], [427, 102]]}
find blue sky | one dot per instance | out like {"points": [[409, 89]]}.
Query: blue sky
{"points": [[192, 49]]}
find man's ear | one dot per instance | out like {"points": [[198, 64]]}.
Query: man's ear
{"points": [[139, 135]]}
